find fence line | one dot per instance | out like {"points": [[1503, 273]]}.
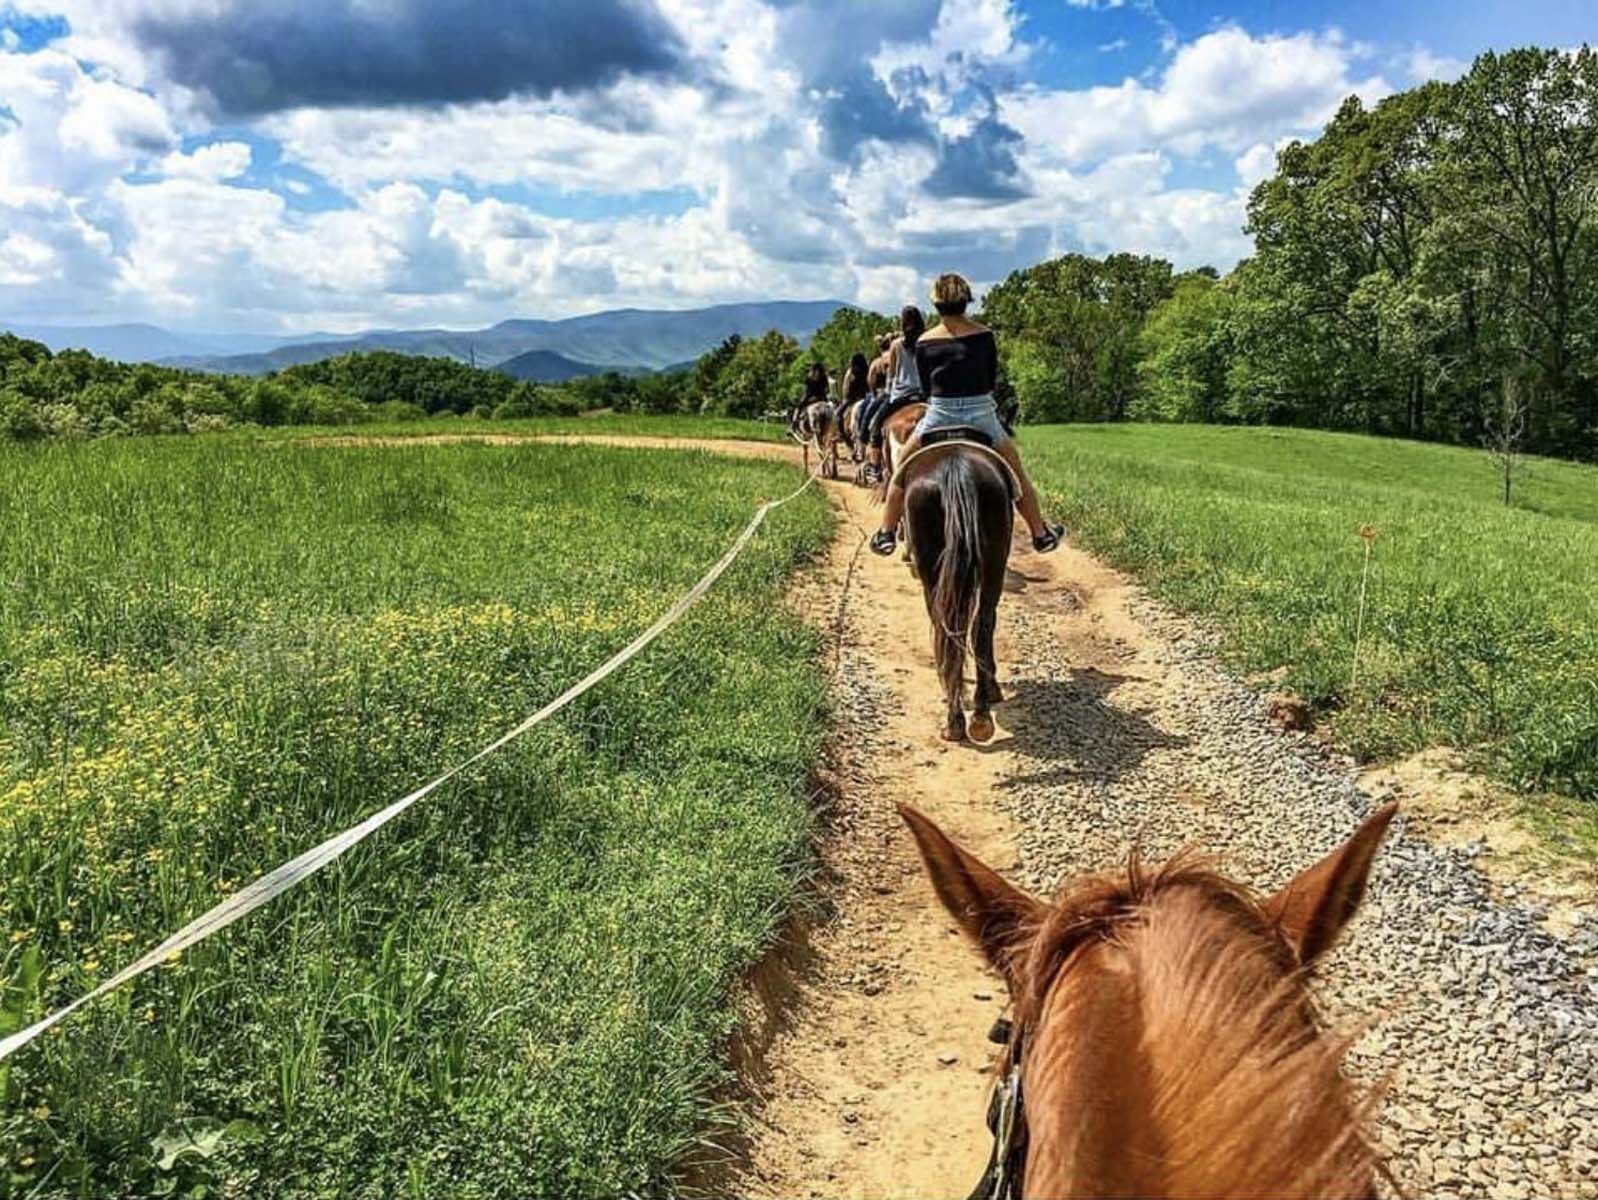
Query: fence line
{"points": [[247, 899]]}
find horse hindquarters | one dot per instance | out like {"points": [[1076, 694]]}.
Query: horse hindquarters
{"points": [[959, 523]]}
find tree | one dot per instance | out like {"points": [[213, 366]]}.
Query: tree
{"points": [[1526, 162], [848, 332], [1069, 332], [1186, 348], [1505, 435], [756, 380], [704, 380]]}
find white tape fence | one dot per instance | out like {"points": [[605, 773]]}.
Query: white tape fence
{"points": [[273, 884]]}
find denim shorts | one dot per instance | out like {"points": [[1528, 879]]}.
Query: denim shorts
{"points": [[977, 412]]}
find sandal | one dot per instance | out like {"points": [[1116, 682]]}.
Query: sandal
{"points": [[884, 542], [1049, 539]]}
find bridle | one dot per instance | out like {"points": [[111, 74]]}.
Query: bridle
{"points": [[1006, 1122]]}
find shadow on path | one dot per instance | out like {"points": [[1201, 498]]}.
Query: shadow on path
{"points": [[1074, 731]]}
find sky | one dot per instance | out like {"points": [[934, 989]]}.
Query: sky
{"points": [[285, 166]]}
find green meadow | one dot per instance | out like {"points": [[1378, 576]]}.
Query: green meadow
{"points": [[1480, 628], [215, 652]]}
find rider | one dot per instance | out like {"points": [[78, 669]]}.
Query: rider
{"points": [[876, 382], [816, 384], [958, 362], [903, 380], [854, 392]]}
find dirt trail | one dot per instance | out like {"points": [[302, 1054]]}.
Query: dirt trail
{"points": [[864, 1047]]}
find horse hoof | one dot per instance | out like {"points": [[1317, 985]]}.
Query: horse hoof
{"points": [[953, 733], [981, 728]]}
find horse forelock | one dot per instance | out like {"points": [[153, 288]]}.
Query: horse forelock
{"points": [[1244, 1093]]}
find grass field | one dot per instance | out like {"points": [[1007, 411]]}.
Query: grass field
{"points": [[602, 423], [1481, 629], [214, 653]]}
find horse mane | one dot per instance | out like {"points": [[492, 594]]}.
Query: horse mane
{"points": [[1249, 1095]]}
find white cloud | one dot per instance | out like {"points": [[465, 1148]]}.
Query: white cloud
{"points": [[1228, 89], [1421, 65], [101, 209], [216, 161], [74, 128], [51, 257]]}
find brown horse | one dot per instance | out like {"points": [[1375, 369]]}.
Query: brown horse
{"points": [[1164, 1041], [958, 518]]}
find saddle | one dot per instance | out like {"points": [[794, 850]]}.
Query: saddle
{"points": [[938, 441], [957, 433]]}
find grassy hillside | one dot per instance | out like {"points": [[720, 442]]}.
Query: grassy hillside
{"points": [[214, 653], [1481, 629]]}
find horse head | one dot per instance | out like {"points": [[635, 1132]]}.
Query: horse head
{"points": [[1164, 1041]]}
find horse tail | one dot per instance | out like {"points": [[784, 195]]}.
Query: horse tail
{"points": [[959, 568]]}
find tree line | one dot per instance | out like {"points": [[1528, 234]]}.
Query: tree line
{"points": [[75, 394], [1426, 267]]}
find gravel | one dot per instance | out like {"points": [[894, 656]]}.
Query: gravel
{"points": [[1486, 1026]]}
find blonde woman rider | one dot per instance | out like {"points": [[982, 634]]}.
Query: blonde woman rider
{"points": [[958, 365]]}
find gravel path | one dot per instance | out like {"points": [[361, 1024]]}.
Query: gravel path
{"points": [[1487, 1024]]}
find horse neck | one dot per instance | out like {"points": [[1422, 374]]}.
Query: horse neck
{"points": [[1181, 1057]]}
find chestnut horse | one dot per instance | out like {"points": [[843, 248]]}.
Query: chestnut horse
{"points": [[1164, 1040]]}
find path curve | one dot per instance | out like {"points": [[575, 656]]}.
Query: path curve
{"points": [[864, 1046]]}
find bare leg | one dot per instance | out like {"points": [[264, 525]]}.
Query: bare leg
{"points": [[893, 507], [1031, 508]]}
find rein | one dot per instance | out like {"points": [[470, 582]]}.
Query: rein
{"points": [[1007, 1122]]}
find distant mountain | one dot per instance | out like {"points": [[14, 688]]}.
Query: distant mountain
{"points": [[135, 343], [545, 366], [639, 339]]}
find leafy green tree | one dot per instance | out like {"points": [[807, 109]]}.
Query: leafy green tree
{"points": [[757, 379], [704, 381], [1069, 332], [1186, 350], [848, 332]]}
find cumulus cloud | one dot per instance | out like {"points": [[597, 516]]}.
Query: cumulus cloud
{"points": [[1228, 89], [813, 148], [74, 128], [216, 161], [251, 58]]}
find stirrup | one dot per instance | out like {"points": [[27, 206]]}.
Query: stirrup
{"points": [[1049, 539], [884, 542]]}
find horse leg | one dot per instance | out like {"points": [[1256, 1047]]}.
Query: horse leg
{"points": [[995, 556], [988, 693]]}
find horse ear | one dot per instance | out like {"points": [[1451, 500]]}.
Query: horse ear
{"points": [[991, 912], [1313, 908]]}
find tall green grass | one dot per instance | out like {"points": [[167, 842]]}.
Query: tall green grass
{"points": [[597, 423], [1481, 630], [214, 653]]}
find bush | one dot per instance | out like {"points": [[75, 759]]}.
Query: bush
{"points": [[396, 410], [18, 419], [154, 417], [208, 423], [64, 421]]}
